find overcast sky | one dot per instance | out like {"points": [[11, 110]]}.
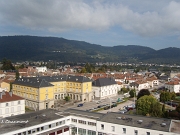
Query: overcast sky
{"points": [[152, 23]]}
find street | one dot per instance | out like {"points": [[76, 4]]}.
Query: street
{"points": [[94, 105]]}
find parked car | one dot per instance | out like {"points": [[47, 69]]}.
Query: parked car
{"points": [[114, 105], [80, 105], [106, 108], [100, 106], [123, 111]]}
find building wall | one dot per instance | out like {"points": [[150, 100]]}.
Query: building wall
{"points": [[143, 86], [115, 129], [6, 86], [12, 108], [84, 124], [106, 91], [35, 97], [173, 88], [41, 69]]}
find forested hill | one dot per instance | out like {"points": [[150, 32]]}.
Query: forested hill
{"points": [[23, 48]]}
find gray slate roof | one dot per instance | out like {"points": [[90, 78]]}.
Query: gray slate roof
{"points": [[103, 82], [33, 82], [44, 81]]}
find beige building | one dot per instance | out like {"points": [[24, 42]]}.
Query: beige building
{"points": [[41, 92]]}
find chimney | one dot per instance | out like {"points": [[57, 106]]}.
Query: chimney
{"points": [[0, 95], [10, 93]]}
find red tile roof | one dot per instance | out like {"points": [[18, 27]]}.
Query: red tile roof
{"points": [[173, 83], [8, 98]]}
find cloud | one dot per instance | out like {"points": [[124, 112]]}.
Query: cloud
{"points": [[65, 15]]}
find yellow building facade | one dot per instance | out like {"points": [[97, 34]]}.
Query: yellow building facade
{"points": [[41, 92]]}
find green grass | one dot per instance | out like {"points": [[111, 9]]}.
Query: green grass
{"points": [[28, 109]]}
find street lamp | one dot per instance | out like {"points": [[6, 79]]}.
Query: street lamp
{"points": [[134, 95], [110, 103], [171, 105]]}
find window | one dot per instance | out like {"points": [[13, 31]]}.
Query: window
{"points": [[7, 110], [113, 128], [82, 122], [12, 109], [19, 102], [38, 129], [49, 126], [92, 123], [7, 104], [74, 120], [19, 108], [148, 133], [124, 130], [42, 128], [29, 132], [135, 132], [102, 126], [12, 103]]}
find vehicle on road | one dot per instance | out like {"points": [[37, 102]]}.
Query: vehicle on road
{"points": [[80, 105], [106, 108], [122, 111]]}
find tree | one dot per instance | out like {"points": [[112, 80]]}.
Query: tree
{"points": [[89, 68], [83, 70], [21, 66], [132, 93], [178, 108], [163, 110], [167, 96], [67, 98], [7, 65], [148, 105], [173, 95], [124, 90], [142, 93], [17, 74]]}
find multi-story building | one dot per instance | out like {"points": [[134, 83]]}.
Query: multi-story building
{"points": [[104, 88], [11, 104], [41, 92], [173, 86], [41, 69], [77, 122]]}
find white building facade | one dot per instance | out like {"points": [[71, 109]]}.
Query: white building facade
{"points": [[41, 69], [173, 86], [11, 105], [77, 122], [104, 88]]}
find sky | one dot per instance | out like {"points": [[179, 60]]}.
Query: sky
{"points": [[151, 23]]}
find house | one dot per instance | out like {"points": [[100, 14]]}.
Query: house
{"points": [[104, 88], [78, 122], [173, 86], [11, 104], [41, 69], [6, 83], [138, 85], [152, 81]]}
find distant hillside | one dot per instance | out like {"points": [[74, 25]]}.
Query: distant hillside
{"points": [[22, 48]]}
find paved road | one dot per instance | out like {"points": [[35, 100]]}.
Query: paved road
{"points": [[116, 109], [90, 105]]}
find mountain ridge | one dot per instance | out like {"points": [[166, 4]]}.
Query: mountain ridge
{"points": [[22, 48]]}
